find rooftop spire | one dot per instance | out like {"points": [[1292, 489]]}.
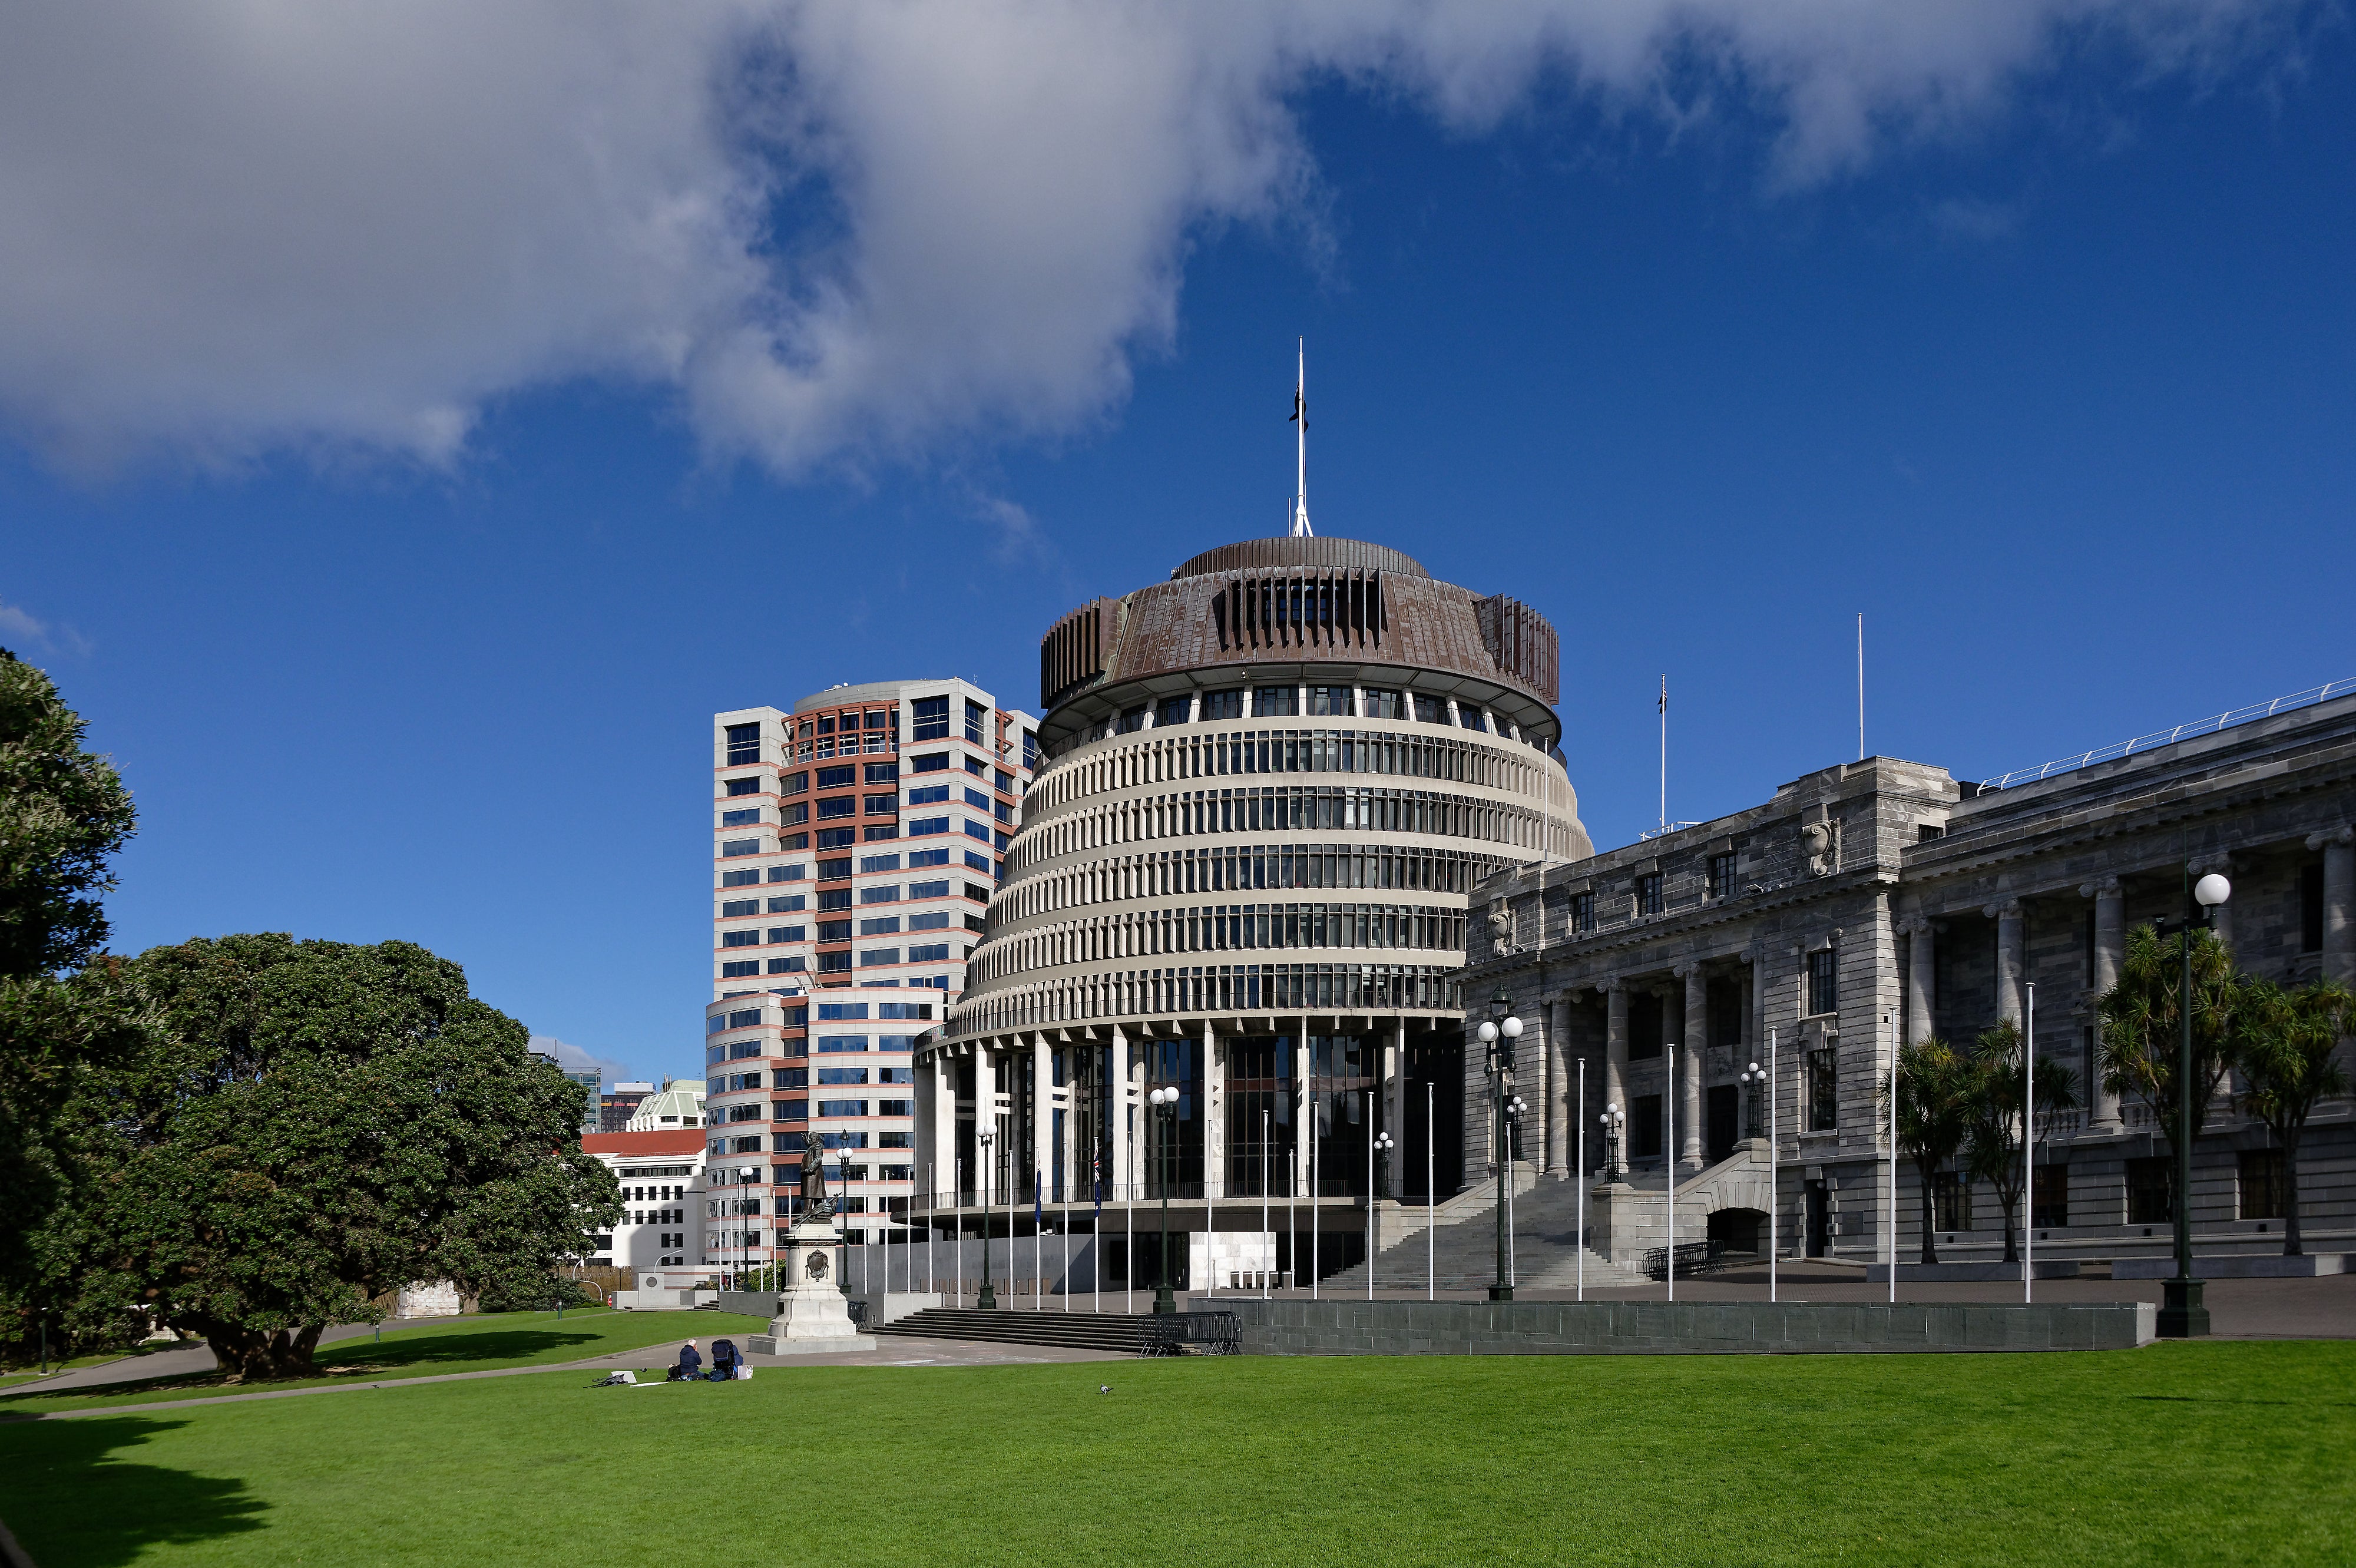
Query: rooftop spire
{"points": [[1299, 528]]}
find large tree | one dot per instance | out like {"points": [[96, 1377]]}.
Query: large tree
{"points": [[2143, 1016], [313, 1124], [1934, 1085], [1997, 1117], [63, 812], [2284, 1043]]}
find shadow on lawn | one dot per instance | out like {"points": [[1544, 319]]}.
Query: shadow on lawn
{"points": [[353, 1359], [72, 1505]]}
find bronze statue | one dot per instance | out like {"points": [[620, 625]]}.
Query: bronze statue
{"points": [[815, 1202]]}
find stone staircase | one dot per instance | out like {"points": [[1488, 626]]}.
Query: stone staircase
{"points": [[1122, 1333], [1462, 1253], [1630, 1218]]}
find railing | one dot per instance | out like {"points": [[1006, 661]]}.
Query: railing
{"points": [[2305, 699]]}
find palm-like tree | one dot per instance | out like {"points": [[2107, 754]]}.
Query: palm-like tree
{"points": [[1933, 1086], [2142, 1022], [1993, 1139], [2283, 1041]]}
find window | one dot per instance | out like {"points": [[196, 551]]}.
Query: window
{"points": [[1925, 832], [1824, 1088], [977, 767], [791, 1109], [789, 874], [2310, 908], [792, 1078], [883, 805], [748, 785], [793, 783], [979, 863], [794, 965], [974, 830], [937, 921], [743, 744], [1582, 912], [2049, 1197], [871, 957], [737, 907], [1274, 702], [870, 863], [975, 890], [830, 1044], [886, 893], [841, 1075], [929, 890], [836, 778], [895, 1075], [743, 819], [1130, 721], [792, 841], [1029, 749], [1430, 710], [977, 799], [841, 806], [882, 926], [2264, 1187], [931, 795], [1645, 1127], [745, 1018], [1824, 980], [842, 1108], [1725, 1002], [1228, 704], [882, 773], [932, 718], [794, 815], [1721, 876], [1332, 701], [1383, 704], [834, 931], [895, 1108], [1648, 893], [834, 898], [1950, 1201], [740, 938], [1643, 1026], [2151, 1189], [926, 827], [788, 933], [739, 970], [741, 846], [837, 838], [1470, 717], [1005, 782], [834, 962], [1173, 710], [930, 952], [937, 763], [977, 718]]}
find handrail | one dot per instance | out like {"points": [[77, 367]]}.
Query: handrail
{"points": [[2305, 699]]}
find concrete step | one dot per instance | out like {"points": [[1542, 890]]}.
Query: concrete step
{"points": [[1120, 1332]]}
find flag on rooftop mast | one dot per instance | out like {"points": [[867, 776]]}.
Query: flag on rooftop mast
{"points": [[1301, 529]]}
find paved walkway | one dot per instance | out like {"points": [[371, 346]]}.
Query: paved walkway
{"points": [[183, 1363]]}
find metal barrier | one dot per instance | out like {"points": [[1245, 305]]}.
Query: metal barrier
{"points": [[2305, 699]]}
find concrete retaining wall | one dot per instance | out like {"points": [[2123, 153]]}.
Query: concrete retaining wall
{"points": [[1641, 1328]]}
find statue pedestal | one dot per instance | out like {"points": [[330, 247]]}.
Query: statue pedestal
{"points": [[811, 1313]]}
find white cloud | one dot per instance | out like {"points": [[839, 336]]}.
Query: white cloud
{"points": [[836, 230], [32, 634], [576, 1058]]}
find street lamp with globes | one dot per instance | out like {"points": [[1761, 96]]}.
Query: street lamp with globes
{"points": [[986, 1300], [1164, 1103], [1613, 1120], [1498, 1032], [2182, 1315], [1754, 1078]]}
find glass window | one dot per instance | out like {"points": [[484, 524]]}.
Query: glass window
{"points": [[883, 805], [919, 859], [834, 870], [924, 827], [976, 720], [1721, 876], [841, 806], [929, 952], [750, 786], [881, 926], [741, 819], [872, 957], [977, 767], [2049, 1197], [741, 846], [794, 815], [743, 744], [1331, 701], [1582, 912], [739, 878], [789, 905], [740, 969], [2151, 1186], [834, 931], [1005, 782], [830, 1044], [2265, 1186], [1824, 980], [1274, 702], [929, 890], [843, 1075], [937, 762], [837, 778], [931, 795], [748, 939], [789, 874], [1648, 893], [1173, 710], [842, 1108], [788, 933], [837, 838], [1385, 704], [874, 863], [1824, 1088], [1471, 717], [834, 1012], [1228, 704], [936, 920], [1950, 1201], [1430, 710], [834, 962], [932, 718], [888, 718], [794, 783], [793, 965], [882, 773], [737, 907], [1134, 719]]}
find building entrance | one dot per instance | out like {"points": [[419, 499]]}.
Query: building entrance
{"points": [[1820, 1220], [1724, 1120]]}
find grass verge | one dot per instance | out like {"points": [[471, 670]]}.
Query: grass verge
{"points": [[2241, 1453]]}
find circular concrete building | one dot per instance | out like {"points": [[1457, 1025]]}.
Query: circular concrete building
{"points": [[1266, 788]]}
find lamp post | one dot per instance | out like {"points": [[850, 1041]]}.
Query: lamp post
{"points": [[1613, 1120], [1382, 1147], [1754, 1079], [1498, 1032], [1165, 1117], [986, 1300], [2182, 1316], [744, 1176]]}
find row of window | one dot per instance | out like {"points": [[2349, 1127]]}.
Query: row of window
{"points": [[1162, 872], [1287, 751], [1214, 988], [1294, 808], [1221, 928], [799, 1078], [838, 930], [1294, 702], [878, 893], [839, 870], [828, 1045]]}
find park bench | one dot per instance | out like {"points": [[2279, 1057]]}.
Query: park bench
{"points": [[1170, 1334], [1693, 1258]]}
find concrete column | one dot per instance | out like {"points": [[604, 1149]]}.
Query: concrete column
{"points": [[1117, 1180], [1562, 1087], [1615, 1045], [1076, 1173], [1537, 1034], [1688, 1087], [943, 1153], [1395, 1109], [1214, 1115], [1043, 1116], [2110, 951], [1921, 980], [2339, 847], [2009, 928], [1304, 1126]]}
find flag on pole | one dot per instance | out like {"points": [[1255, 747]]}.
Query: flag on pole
{"points": [[1299, 408]]}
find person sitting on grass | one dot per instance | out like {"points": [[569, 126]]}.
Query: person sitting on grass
{"points": [[690, 1364], [724, 1361]]}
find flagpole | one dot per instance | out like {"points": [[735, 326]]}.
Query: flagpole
{"points": [[1430, 1202], [957, 1204], [1775, 1197], [1669, 1143], [1267, 1157], [1370, 1195], [1665, 753], [1890, 1027], [2028, 1148], [1580, 1176]]}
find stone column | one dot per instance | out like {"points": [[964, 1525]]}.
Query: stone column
{"points": [[1075, 1173], [1117, 1180], [1537, 1034], [1043, 1116], [2339, 847], [1304, 1126], [1688, 1086], [1615, 1045], [2008, 959], [943, 1154], [2109, 949], [1214, 1115], [1562, 1091], [1921, 980]]}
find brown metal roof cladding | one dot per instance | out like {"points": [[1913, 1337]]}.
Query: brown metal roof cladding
{"points": [[1298, 602]]}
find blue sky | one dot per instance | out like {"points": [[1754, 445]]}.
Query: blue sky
{"points": [[2057, 393]]}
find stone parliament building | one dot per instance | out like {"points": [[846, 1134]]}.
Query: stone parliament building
{"points": [[1881, 900]]}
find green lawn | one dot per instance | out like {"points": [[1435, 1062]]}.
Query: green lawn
{"points": [[449, 1344], [2242, 1453]]}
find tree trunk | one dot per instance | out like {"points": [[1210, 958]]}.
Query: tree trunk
{"points": [[2011, 1201], [2292, 1244], [252, 1356], [1930, 1242]]}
